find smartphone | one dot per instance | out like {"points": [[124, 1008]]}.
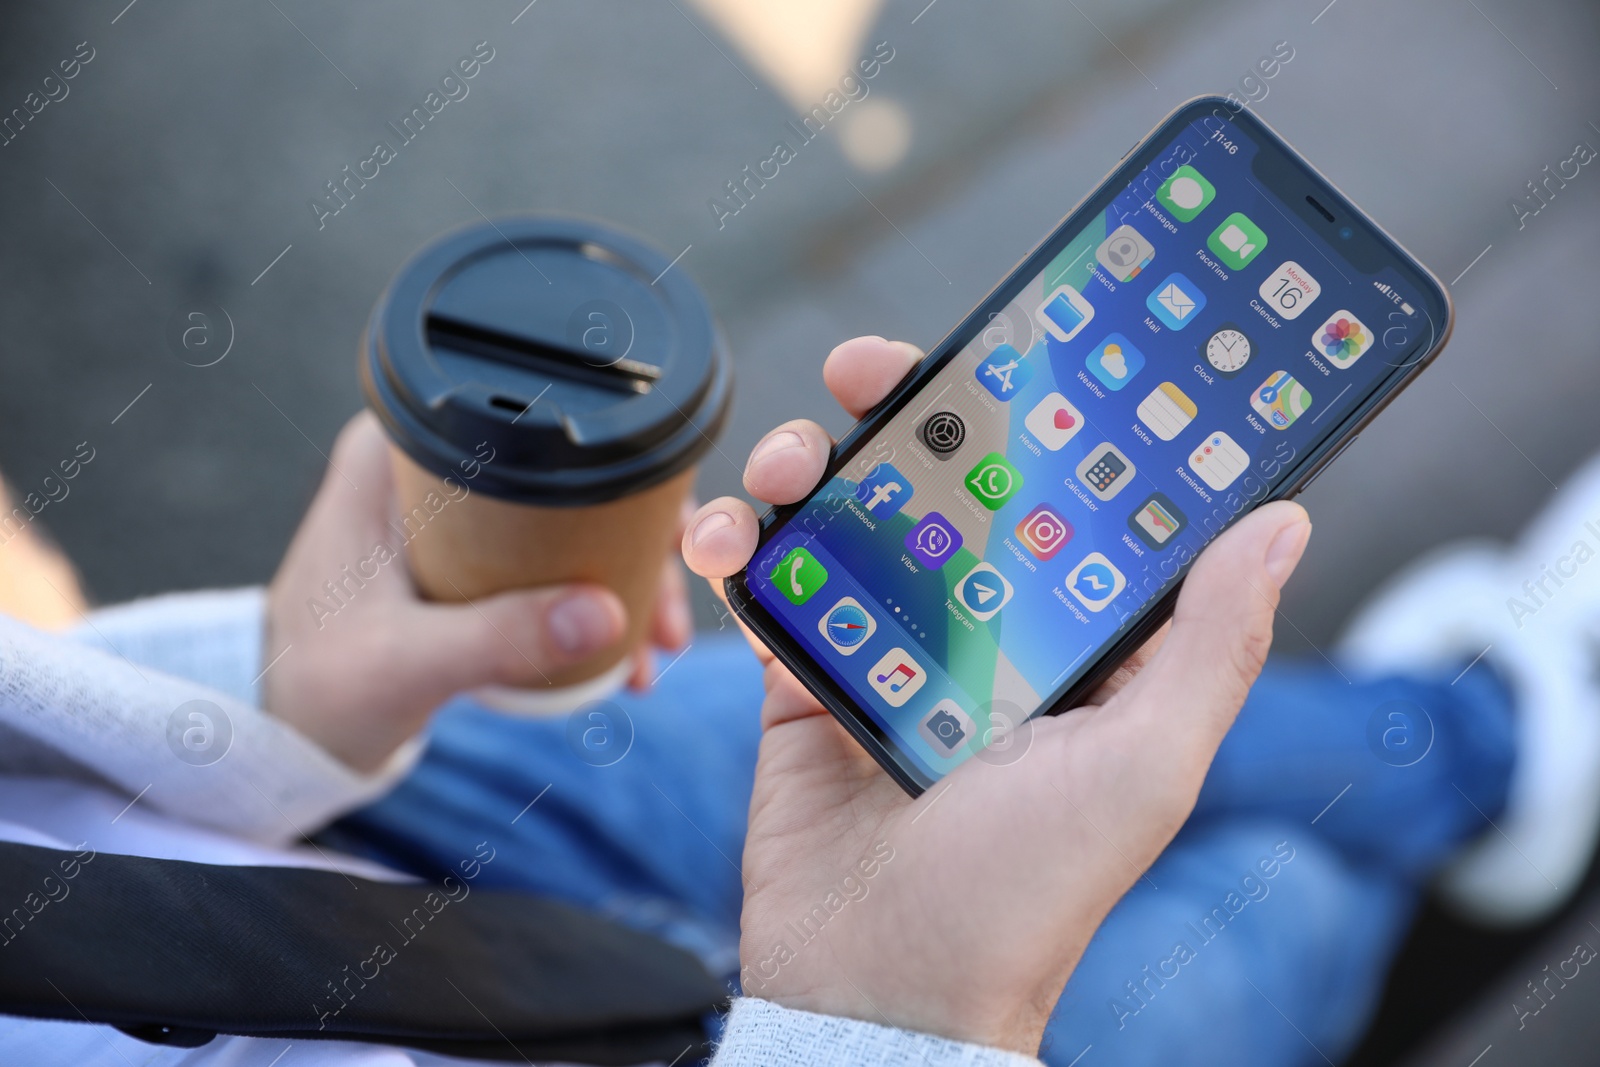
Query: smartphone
{"points": [[1205, 332]]}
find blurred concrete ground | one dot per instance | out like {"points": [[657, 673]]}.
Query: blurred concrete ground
{"points": [[183, 161]]}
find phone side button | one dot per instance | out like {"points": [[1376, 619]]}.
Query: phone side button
{"points": [[1324, 465]]}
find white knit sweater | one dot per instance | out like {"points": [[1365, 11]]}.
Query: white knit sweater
{"points": [[101, 706]]}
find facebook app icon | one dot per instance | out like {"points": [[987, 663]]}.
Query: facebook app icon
{"points": [[884, 491]]}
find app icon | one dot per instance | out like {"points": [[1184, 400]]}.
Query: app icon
{"points": [[1004, 372], [1281, 400], [798, 575], [884, 491], [1218, 461], [1237, 241], [1065, 312], [1106, 471], [896, 677], [1095, 582], [1343, 339], [1125, 253], [1115, 362], [1176, 301], [946, 728], [1228, 350], [1054, 422], [1185, 194], [983, 592], [1289, 290], [1044, 531], [1157, 521], [933, 540], [847, 625], [1167, 410], [943, 433], [994, 481]]}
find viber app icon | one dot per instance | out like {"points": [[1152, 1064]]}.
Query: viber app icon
{"points": [[884, 492]]}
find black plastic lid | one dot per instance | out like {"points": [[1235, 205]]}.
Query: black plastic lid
{"points": [[591, 368]]}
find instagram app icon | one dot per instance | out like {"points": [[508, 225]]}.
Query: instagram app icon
{"points": [[1044, 531]]}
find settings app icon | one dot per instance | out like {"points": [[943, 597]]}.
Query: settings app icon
{"points": [[943, 433]]}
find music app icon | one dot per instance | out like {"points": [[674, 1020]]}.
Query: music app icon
{"points": [[896, 677]]}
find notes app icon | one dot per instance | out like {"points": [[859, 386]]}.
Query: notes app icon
{"points": [[896, 677], [1167, 410]]}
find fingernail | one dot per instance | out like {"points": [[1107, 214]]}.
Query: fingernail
{"points": [[580, 624], [778, 442], [1285, 551], [709, 525]]}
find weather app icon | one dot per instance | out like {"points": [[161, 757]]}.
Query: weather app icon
{"points": [[1096, 582]]}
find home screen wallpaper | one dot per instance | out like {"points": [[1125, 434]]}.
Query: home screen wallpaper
{"points": [[1061, 470]]}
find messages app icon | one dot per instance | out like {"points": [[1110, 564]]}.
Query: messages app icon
{"points": [[1186, 193], [1176, 301]]}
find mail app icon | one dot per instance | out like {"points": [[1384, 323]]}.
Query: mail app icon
{"points": [[1176, 301]]}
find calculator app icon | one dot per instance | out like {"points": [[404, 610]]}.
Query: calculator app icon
{"points": [[1105, 471]]}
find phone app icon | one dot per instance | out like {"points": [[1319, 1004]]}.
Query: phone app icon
{"points": [[1167, 410], [1157, 521], [896, 677], [1095, 582], [884, 491], [1115, 362], [983, 592], [1343, 339], [943, 433], [1186, 193], [1004, 372], [1125, 253], [1219, 460], [1105, 471], [994, 481], [1065, 313], [1281, 400], [798, 575], [947, 728], [847, 625], [933, 540], [1176, 301], [1044, 532], [1237, 241], [1054, 421], [1289, 290]]}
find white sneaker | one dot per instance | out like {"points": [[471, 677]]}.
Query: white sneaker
{"points": [[1533, 611]]}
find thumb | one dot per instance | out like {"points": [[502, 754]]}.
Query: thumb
{"points": [[1186, 698], [517, 638]]}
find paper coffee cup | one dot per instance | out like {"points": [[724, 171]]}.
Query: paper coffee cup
{"points": [[548, 385]]}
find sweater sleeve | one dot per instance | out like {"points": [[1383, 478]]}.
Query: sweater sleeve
{"points": [[761, 1034], [158, 698]]}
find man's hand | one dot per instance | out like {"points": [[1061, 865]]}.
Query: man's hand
{"points": [[361, 673], [983, 892]]}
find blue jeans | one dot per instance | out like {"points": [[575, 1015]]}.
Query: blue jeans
{"points": [[1267, 925]]}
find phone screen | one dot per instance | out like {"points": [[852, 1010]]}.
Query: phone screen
{"points": [[1179, 354]]}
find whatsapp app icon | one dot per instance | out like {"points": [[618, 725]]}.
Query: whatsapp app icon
{"points": [[994, 481]]}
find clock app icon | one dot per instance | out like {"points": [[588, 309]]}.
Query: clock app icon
{"points": [[847, 625], [1228, 349]]}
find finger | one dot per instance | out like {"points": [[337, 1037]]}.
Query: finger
{"points": [[642, 672], [721, 538], [1130, 667], [863, 370], [1185, 699], [671, 624], [516, 639], [788, 462]]}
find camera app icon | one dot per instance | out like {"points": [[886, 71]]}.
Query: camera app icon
{"points": [[946, 728], [1044, 531]]}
